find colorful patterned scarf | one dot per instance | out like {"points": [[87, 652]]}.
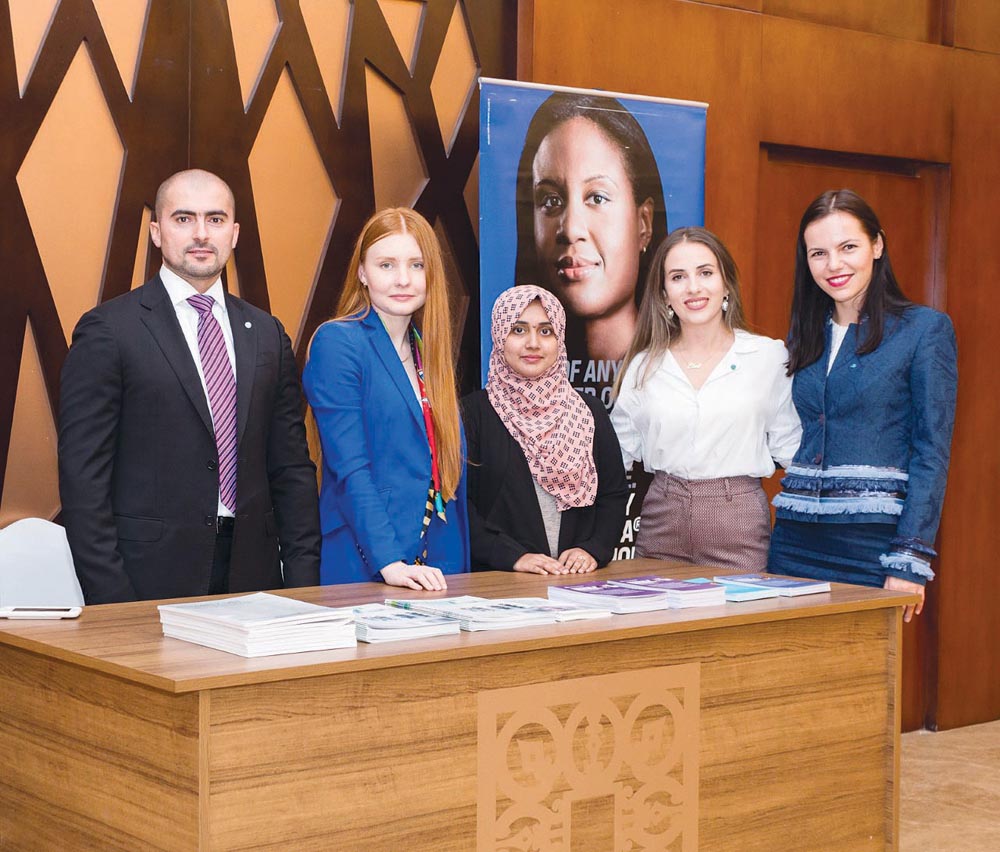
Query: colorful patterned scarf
{"points": [[547, 418], [435, 502]]}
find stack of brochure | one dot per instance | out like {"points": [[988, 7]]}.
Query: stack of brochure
{"points": [[612, 595], [735, 593], [380, 623], [259, 625], [680, 593], [474, 613], [788, 587]]}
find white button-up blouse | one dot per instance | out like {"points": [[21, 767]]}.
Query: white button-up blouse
{"points": [[738, 423]]}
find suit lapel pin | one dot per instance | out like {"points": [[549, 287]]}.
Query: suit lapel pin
{"points": [[248, 324]]}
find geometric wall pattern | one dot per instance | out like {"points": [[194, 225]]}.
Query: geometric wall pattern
{"points": [[290, 101]]}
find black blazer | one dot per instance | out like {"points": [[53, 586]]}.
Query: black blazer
{"points": [[137, 456], [504, 519]]}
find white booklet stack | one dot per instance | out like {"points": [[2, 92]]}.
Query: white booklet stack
{"points": [[259, 625], [380, 623], [473, 613]]}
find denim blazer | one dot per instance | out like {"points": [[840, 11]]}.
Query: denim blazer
{"points": [[876, 436]]}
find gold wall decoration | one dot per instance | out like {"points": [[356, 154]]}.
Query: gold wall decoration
{"points": [[254, 25], [290, 101], [124, 24], [604, 763], [32, 445], [295, 205], [68, 182], [29, 20], [404, 18], [144, 246], [328, 24], [397, 167], [454, 77]]}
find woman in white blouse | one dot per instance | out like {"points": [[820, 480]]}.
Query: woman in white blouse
{"points": [[706, 407]]}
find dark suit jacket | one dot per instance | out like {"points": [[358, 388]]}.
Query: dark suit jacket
{"points": [[138, 462], [504, 519]]}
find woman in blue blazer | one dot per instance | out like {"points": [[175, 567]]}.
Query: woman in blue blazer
{"points": [[381, 386], [875, 380]]}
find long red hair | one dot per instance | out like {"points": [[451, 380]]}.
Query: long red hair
{"points": [[433, 321]]}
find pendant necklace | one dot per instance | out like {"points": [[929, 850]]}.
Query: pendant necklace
{"points": [[697, 365], [694, 365]]}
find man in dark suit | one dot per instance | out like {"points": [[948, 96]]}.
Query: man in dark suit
{"points": [[183, 466]]}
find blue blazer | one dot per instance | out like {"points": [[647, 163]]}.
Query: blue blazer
{"points": [[376, 460]]}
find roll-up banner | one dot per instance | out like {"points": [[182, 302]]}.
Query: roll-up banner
{"points": [[576, 189]]}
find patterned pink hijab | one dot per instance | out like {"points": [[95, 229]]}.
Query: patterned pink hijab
{"points": [[547, 418]]}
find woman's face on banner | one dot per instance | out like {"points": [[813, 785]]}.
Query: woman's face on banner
{"points": [[589, 231]]}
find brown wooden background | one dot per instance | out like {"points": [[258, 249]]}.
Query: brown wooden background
{"points": [[317, 111], [896, 99]]}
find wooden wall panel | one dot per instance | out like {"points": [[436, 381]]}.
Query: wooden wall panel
{"points": [[918, 20], [969, 652], [142, 118], [701, 53], [838, 90], [921, 114], [977, 25], [748, 5], [223, 135]]}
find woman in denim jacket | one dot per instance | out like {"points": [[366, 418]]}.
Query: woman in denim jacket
{"points": [[874, 384]]}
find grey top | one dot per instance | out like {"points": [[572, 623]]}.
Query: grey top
{"points": [[551, 517]]}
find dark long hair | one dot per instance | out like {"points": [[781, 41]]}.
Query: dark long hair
{"points": [[811, 306], [657, 328], [621, 127]]}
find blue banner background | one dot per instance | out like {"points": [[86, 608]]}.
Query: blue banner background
{"points": [[676, 133]]}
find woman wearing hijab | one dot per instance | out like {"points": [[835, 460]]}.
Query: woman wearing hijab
{"points": [[546, 484]]}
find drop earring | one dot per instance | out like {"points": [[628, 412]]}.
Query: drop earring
{"points": [[725, 303], [670, 312]]}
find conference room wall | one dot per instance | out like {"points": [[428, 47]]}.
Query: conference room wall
{"points": [[316, 112], [895, 99]]}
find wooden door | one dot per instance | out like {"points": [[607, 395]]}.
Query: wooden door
{"points": [[911, 200]]}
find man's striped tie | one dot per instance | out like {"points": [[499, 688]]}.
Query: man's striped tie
{"points": [[221, 394]]}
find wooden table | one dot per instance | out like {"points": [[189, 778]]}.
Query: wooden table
{"points": [[770, 725]]}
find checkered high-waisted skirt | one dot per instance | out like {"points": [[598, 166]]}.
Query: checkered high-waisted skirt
{"points": [[723, 523]]}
